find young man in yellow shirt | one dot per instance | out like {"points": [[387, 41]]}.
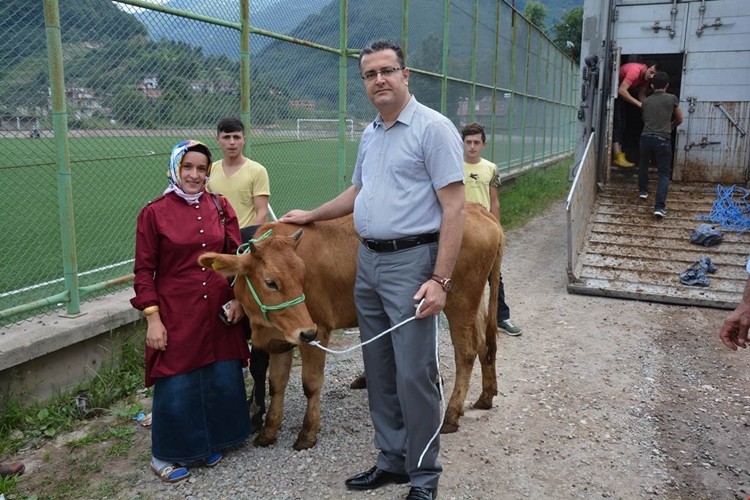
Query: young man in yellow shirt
{"points": [[245, 184], [482, 186], [241, 180]]}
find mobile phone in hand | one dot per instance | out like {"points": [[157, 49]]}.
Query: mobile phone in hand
{"points": [[224, 312]]}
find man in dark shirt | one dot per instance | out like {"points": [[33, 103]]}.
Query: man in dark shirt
{"points": [[661, 114]]}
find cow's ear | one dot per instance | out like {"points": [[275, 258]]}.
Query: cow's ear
{"points": [[207, 259], [296, 236], [226, 265]]}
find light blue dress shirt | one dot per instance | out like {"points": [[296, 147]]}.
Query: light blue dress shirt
{"points": [[400, 168]]}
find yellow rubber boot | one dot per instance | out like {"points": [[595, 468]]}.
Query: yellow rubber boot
{"points": [[621, 161]]}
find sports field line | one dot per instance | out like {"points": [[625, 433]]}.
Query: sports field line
{"points": [[52, 282]]}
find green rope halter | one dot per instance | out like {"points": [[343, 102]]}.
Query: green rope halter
{"points": [[245, 248]]}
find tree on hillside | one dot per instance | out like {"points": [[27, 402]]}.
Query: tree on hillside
{"points": [[536, 12], [22, 25], [568, 32]]}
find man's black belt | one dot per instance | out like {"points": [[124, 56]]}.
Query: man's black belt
{"points": [[400, 243]]}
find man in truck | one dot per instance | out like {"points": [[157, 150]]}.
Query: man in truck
{"points": [[661, 114], [634, 78]]}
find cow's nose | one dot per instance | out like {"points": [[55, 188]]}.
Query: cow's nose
{"points": [[308, 335]]}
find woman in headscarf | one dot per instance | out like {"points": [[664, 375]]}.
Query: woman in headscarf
{"points": [[193, 359]]}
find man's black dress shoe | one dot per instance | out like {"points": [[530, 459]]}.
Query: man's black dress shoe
{"points": [[420, 493], [375, 478]]}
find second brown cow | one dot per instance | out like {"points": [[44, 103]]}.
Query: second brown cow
{"points": [[318, 263]]}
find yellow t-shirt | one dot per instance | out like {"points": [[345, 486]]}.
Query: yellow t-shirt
{"points": [[249, 181], [478, 179]]}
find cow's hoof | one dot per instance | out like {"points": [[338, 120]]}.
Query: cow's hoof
{"points": [[359, 382], [483, 404], [263, 441], [304, 444], [257, 421], [448, 428]]}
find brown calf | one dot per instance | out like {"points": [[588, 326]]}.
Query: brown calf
{"points": [[323, 264]]}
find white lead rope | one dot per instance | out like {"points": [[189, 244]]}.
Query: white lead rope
{"points": [[437, 360], [317, 343]]}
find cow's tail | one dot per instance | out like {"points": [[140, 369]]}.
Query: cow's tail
{"points": [[491, 320]]}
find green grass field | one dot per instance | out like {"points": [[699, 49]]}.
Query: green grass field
{"points": [[113, 177]]}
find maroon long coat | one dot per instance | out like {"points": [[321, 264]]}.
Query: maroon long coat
{"points": [[170, 236]]}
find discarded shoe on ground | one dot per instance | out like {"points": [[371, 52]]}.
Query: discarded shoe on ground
{"points": [[706, 235], [12, 469], [696, 275]]}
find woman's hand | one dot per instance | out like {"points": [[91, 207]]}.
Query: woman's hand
{"points": [[236, 312], [156, 334]]}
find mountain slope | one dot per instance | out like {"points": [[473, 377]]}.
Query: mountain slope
{"points": [[280, 16], [97, 21]]}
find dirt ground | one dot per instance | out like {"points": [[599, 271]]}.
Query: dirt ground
{"points": [[599, 398]]}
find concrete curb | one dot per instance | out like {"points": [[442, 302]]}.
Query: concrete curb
{"points": [[46, 334]]}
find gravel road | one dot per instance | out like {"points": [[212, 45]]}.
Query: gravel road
{"points": [[599, 398]]}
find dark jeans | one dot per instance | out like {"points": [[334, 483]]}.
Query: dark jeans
{"points": [[503, 311], [660, 149], [259, 359], [617, 121]]}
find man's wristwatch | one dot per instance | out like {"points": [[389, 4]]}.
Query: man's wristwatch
{"points": [[446, 283]]}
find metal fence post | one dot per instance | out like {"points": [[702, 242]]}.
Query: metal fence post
{"points": [[62, 155], [444, 62], [495, 62], [405, 27], [245, 72], [512, 104], [525, 92], [474, 37], [343, 61]]}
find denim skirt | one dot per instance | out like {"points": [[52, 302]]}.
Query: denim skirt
{"points": [[197, 413]]}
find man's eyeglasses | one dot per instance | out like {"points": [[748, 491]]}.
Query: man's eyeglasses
{"points": [[386, 72]]}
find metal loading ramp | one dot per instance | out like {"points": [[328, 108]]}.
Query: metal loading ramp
{"points": [[628, 253]]}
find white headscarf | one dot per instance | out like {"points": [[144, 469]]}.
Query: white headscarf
{"points": [[175, 162]]}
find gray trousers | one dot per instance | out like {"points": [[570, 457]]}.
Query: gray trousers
{"points": [[401, 367]]}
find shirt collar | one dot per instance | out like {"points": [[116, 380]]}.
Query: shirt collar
{"points": [[405, 117]]}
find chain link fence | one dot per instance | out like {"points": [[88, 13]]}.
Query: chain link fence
{"points": [[94, 94]]}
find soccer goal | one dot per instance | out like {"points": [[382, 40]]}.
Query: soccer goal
{"points": [[318, 128]]}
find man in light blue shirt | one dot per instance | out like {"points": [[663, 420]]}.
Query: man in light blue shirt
{"points": [[408, 200]]}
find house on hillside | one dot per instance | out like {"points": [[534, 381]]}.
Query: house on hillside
{"points": [[482, 109], [149, 85], [82, 101], [209, 87]]}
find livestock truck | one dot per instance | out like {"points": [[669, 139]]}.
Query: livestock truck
{"points": [[616, 246]]}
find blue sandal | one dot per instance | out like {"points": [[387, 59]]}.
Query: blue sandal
{"points": [[171, 473], [214, 459]]}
